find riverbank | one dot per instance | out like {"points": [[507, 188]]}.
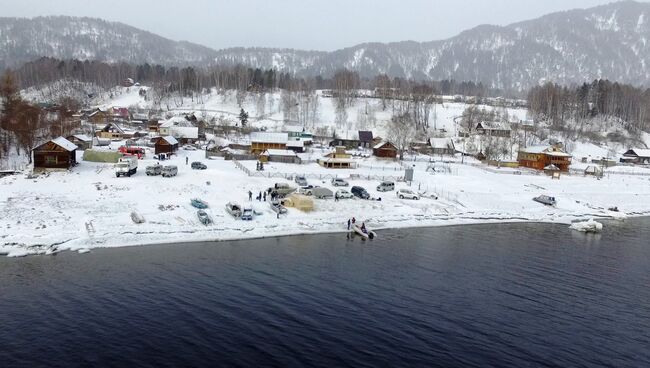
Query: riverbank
{"points": [[90, 208]]}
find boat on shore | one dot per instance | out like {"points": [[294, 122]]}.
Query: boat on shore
{"points": [[136, 217], [198, 203], [204, 217], [234, 209], [589, 226], [277, 207], [544, 199], [367, 234]]}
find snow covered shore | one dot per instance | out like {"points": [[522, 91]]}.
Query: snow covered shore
{"points": [[89, 207]]}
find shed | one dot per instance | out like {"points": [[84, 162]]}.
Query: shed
{"points": [[167, 144], [442, 146], [82, 141], [636, 156], [261, 141], [58, 153], [593, 170], [385, 149], [286, 156]]}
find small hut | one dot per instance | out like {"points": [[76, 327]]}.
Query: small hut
{"points": [[385, 149], [552, 170], [166, 144], [58, 153], [274, 155]]}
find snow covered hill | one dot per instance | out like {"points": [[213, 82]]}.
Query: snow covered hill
{"points": [[84, 38]]}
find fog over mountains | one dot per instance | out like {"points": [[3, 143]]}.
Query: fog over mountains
{"points": [[608, 41]]}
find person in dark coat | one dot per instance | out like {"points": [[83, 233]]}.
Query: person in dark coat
{"points": [[250, 195], [349, 224], [264, 196]]}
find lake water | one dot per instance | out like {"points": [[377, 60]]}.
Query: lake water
{"points": [[517, 295]]}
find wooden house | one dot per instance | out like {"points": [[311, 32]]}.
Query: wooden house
{"points": [[261, 141], [636, 156], [442, 146], [364, 139], [493, 129], [385, 149], [273, 155], [539, 157], [82, 141], [339, 159], [58, 153], [98, 116], [167, 144], [112, 131]]}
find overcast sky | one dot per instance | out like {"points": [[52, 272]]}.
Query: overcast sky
{"points": [[303, 24]]}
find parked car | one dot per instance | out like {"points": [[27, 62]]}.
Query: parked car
{"points": [[338, 182], [360, 192], [300, 180], [189, 147], [407, 193], [386, 186], [282, 189], [247, 214], [307, 189], [169, 171], [154, 170], [322, 193], [198, 165], [343, 194]]}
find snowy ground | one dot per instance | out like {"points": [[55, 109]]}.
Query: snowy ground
{"points": [[51, 212]]}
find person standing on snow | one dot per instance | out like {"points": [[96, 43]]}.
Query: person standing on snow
{"points": [[187, 159], [250, 195], [348, 224]]}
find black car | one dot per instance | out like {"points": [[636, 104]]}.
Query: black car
{"points": [[359, 192], [197, 165]]}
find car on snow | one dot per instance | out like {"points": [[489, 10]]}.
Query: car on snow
{"points": [[198, 165], [189, 147], [153, 170], [343, 194], [360, 192], [338, 182], [169, 171], [247, 214], [301, 181], [407, 194], [385, 186]]}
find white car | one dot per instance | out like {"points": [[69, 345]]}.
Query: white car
{"points": [[189, 147], [407, 193], [343, 194], [338, 182]]}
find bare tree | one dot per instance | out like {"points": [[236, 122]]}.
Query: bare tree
{"points": [[402, 132]]}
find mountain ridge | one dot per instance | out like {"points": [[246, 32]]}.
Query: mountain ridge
{"points": [[573, 46]]}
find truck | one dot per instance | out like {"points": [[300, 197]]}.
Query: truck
{"points": [[126, 166]]}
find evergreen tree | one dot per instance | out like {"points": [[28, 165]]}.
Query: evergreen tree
{"points": [[243, 118]]}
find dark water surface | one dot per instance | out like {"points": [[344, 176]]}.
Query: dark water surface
{"points": [[517, 295]]}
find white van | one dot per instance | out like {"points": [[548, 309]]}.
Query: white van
{"points": [[386, 186]]}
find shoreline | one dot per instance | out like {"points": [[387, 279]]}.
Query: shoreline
{"points": [[53, 249]]}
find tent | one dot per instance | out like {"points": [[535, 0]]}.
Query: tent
{"points": [[299, 201]]}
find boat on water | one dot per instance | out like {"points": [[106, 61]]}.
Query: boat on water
{"points": [[198, 203], [136, 217], [234, 209], [544, 199], [589, 226], [365, 233], [204, 217], [277, 207]]}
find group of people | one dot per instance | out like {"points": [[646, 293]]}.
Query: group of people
{"points": [[260, 197]]}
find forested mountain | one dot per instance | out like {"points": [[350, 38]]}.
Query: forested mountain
{"points": [[608, 41], [64, 37]]}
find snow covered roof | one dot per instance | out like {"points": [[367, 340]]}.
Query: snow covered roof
{"points": [[295, 143], [63, 143], [381, 144], [171, 140], [548, 150], [640, 152], [294, 128], [493, 125], [176, 121], [278, 152], [446, 143], [551, 167], [365, 136], [184, 132], [265, 137], [82, 137]]}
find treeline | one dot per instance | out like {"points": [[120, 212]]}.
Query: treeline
{"points": [[194, 80], [559, 104]]}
